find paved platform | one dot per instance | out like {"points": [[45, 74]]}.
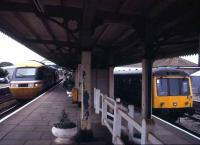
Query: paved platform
{"points": [[32, 125]]}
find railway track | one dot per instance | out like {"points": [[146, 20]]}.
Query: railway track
{"points": [[7, 102], [10, 109], [197, 106], [189, 124]]}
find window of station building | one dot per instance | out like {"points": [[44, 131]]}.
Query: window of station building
{"points": [[173, 87]]}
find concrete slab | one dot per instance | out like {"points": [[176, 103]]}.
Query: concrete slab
{"points": [[38, 142], [32, 125], [11, 142], [23, 135]]}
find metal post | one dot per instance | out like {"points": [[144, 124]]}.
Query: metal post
{"points": [[144, 132], [95, 104], [146, 88], [146, 96], [130, 127], [199, 52], [80, 84], [111, 82], [86, 99], [76, 78]]}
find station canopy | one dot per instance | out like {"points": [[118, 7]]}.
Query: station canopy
{"points": [[117, 32]]}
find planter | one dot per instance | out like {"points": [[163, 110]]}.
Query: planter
{"points": [[64, 136]]}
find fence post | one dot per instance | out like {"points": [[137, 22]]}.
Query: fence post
{"points": [[98, 93], [130, 127], [144, 132], [104, 110], [95, 104], [116, 124]]}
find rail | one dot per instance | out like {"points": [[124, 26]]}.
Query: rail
{"points": [[115, 125], [4, 90]]}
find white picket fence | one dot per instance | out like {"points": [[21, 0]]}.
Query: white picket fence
{"points": [[115, 126]]}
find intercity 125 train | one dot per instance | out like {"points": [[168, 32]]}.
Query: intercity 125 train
{"points": [[30, 78], [171, 90]]}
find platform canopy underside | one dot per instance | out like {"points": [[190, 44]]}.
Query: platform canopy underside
{"points": [[117, 32]]}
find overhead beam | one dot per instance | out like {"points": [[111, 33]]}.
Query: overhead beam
{"points": [[16, 7], [180, 42], [97, 38], [124, 37], [78, 14], [40, 13], [27, 25], [164, 26], [53, 42], [89, 12]]}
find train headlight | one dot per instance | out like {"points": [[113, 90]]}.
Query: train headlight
{"points": [[174, 104], [162, 104], [37, 84]]}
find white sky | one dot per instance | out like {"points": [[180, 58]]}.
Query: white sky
{"points": [[14, 52], [192, 58]]}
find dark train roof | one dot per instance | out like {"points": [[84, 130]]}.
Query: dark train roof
{"points": [[168, 71], [155, 71], [117, 32]]}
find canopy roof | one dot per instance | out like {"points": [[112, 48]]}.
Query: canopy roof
{"points": [[117, 32]]}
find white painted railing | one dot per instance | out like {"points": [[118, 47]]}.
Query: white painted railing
{"points": [[115, 126]]}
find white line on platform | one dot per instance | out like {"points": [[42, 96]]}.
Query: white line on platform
{"points": [[176, 127], [197, 100], [7, 110], [8, 116]]}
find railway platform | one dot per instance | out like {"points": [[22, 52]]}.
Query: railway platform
{"points": [[32, 125]]}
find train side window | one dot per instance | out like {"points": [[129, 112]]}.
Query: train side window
{"points": [[185, 87], [40, 74]]}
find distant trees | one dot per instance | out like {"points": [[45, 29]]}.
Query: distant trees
{"points": [[3, 64]]}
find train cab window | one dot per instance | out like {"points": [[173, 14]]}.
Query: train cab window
{"points": [[25, 72], [173, 87], [162, 87]]}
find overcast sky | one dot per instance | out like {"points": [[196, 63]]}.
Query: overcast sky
{"points": [[14, 52]]}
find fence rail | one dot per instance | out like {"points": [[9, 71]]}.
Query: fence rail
{"points": [[115, 126]]}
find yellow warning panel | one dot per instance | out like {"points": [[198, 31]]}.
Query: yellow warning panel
{"points": [[74, 95]]}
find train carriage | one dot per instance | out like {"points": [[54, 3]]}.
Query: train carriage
{"points": [[171, 91], [30, 78]]}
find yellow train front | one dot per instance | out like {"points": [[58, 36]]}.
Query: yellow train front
{"points": [[30, 78], [171, 96], [172, 93]]}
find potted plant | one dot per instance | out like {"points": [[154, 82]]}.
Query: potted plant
{"points": [[64, 130]]}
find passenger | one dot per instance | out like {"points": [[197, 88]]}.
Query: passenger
{"points": [[68, 84]]}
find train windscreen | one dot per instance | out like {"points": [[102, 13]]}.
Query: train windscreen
{"points": [[173, 87], [25, 72]]}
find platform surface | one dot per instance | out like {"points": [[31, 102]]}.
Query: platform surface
{"points": [[32, 125]]}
